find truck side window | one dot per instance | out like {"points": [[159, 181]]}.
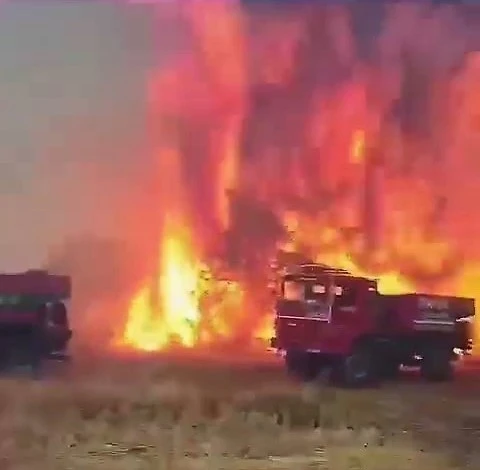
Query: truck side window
{"points": [[348, 298]]}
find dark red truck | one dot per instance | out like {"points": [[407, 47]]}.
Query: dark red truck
{"points": [[328, 320], [34, 322]]}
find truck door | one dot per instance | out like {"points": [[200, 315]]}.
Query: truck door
{"points": [[345, 310], [302, 313]]}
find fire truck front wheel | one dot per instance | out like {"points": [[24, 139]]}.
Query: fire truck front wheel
{"points": [[301, 365], [358, 369]]}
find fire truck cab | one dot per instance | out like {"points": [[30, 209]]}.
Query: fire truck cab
{"points": [[327, 320]]}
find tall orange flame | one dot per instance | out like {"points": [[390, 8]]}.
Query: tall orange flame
{"points": [[268, 144]]}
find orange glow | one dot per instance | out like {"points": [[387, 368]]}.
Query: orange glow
{"points": [[261, 155], [358, 147]]}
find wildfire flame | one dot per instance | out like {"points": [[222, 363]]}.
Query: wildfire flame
{"points": [[267, 144]]}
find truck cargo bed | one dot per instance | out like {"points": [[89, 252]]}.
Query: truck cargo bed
{"points": [[425, 311], [34, 283]]}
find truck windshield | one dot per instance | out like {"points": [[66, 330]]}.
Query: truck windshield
{"points": [[307, 290]]}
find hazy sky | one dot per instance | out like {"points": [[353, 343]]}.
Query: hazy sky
{"points": [[72, 81]]}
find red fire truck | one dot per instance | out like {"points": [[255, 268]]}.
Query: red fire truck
{"points": [[34, 322], [328, 320]]}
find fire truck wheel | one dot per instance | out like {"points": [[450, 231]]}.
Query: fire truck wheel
{"points": [[436, 365], [388, 368], [358, 369], [301, 365]]}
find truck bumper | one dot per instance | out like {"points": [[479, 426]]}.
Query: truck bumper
{"points": [[61, 356], [466, 350], [273, 347], [469, 348]]}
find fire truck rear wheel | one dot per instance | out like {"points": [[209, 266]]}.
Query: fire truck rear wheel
{"points": [[436, 365]]}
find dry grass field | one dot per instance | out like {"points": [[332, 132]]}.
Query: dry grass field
{"points": [[189, 414]]}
